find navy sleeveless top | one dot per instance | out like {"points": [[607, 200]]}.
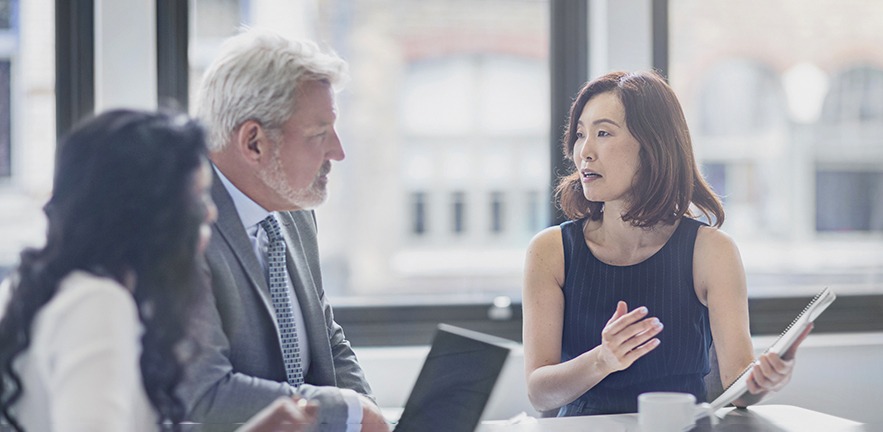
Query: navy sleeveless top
{"points": [[664, 284]]}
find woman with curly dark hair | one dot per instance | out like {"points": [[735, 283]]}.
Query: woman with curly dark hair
{"points": [[93, 325]]}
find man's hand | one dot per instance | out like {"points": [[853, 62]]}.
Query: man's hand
{"points": [[291, 414], [372, 417]]}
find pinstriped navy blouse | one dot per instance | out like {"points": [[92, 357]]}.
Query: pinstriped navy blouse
{"points": [[664, 284]]}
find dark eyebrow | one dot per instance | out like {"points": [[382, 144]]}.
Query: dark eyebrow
{"points": [[600, 121], [606, 120]]}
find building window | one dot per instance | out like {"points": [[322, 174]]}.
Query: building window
{"points": [[418, 213], [497, 212], [847, 153], [849, 201], [458, 212], [856, 97], [7, 14], [5, 120]]}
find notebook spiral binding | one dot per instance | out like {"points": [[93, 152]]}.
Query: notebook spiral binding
{"points": [[808, 307]]}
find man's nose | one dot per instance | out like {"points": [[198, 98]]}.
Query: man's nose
{"points": [[335, 152]]}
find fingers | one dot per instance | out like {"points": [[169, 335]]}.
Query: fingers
{"points": [[773, 365], [629, 336], [290, 414], [620, 321], [792, 352], [636, 325], [639, 333], [621, 309], [770, 373], [641, 350], [751, 383], [311, 410], [305, 410], [619, 356]]}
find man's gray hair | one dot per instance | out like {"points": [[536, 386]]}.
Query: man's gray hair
{"points": [[256, 77]]}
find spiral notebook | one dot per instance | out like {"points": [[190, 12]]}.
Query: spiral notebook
{"points": [[809, 314]]}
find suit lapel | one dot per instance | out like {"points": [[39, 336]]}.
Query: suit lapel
{"points": [[230, 228]]}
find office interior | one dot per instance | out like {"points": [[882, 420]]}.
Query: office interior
{"points": [[451, 121]]}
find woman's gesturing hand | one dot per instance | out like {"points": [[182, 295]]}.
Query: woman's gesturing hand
{"points": [[627, 337]]}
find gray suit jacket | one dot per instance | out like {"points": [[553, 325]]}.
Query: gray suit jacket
{"points": [[239, 369]]}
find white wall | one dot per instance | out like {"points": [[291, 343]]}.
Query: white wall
{"points": [[837, 374]]}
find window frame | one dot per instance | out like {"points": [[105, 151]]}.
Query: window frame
{"points": [[74, 63]]}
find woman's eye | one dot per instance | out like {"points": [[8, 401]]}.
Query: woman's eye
{"points": [[580, 135], [603, 133]]}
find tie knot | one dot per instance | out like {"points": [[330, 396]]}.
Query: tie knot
{"points": [[271, 227]]}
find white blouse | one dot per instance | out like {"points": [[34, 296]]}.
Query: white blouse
{"points": [[81, 371]]}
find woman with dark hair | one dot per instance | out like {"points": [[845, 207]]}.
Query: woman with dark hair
{"points": [[93, 325], [633, 241]]}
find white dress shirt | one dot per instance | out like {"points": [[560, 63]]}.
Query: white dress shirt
{"points": [[81, 372]]}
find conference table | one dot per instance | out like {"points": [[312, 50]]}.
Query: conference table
{"points": [[766, 418], [776, 418]]}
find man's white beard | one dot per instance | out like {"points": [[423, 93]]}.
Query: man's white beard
{"points": [[307, 198]]}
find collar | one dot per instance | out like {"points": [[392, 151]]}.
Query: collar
{"points": [[250, 212]]}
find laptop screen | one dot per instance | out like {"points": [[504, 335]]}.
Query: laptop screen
{"points": [[456, 381]]}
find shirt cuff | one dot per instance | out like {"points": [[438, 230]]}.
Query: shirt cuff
{"points": [[353, 410]]}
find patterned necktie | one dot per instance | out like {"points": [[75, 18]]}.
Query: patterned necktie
{"points": [[281, 296]]}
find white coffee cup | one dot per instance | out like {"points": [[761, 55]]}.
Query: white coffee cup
{"points": [[669, 412]]}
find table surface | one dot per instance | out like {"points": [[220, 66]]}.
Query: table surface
{"points": [[777, 418]]}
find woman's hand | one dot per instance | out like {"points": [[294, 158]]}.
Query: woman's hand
{"points": [[291, 414], [627, 337], [772, 372]]}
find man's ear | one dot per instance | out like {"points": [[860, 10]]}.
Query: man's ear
{"points": [[252, 142]]}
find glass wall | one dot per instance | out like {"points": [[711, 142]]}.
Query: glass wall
{"points": [[785, 102], [445, 123]]}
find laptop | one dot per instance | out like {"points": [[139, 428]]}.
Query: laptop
{"points": [[455, 382]]}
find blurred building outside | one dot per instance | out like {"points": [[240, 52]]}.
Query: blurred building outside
{"points": [[445, 123]]}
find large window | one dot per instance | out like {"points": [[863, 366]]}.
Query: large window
{"points": [[848, 143], [445, 123], [27, 123], [785, 103]]}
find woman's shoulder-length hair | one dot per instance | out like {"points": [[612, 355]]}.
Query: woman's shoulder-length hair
{"points": [[668, 179]]}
